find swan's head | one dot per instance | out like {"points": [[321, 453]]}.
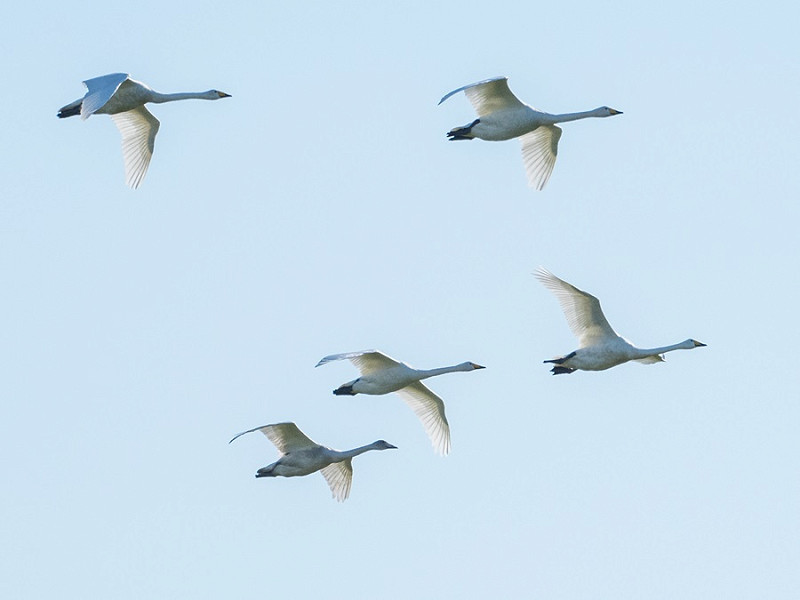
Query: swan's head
{"points": [[383, 445], [694, 343], [605, 111], [474, 366], [216, 95]]}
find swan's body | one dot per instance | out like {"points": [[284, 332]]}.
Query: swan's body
{"points": [[501, 116], [600, 347], [123, 98], [381, 374], [301, 456]]}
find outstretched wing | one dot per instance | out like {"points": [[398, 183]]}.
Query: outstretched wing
{"points": [[582, 310], [429, 409], [339, 476], [488, 96], [287, 437], [99, 91], [138, 128], [366, 361], [539, 151]]}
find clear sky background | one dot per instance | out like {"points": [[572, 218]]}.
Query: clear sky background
{"points": [[322, 210]]}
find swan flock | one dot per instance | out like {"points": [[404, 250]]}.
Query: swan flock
{"points": [[500, 116]]}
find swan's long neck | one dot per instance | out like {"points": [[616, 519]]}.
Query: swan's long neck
{"points": [[425, 373], [644, 352], [345, 454], [159, 98], [566, 117]]}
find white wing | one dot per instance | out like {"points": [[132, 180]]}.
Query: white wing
{"points": [[582, 310], [339, 476], [539, 151], [429, 409], [138, 128], [99, 91], [287, 437], [488, 96], [366, 361]]}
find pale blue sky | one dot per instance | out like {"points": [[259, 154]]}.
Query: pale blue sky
{"points": [[321, 210]]}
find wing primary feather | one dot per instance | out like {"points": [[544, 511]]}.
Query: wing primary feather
{"points": [[339, 476], [238, 435], [429, 409], [582, 310], [466, 87], [366, 361], [138, 128]]}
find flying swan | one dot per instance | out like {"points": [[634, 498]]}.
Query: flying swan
{"points": [[501, 116], [381, 374], [302, 456], [600, 347], [124, 98]]}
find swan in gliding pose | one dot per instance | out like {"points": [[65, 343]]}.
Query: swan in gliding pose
{"points": [[501, 116], [302, 456], [600, 347], [124, 98], [381, 374]]}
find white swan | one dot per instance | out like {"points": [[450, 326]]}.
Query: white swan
{"points": [[600, 347], [381, 374], [302, 456], [123, 98], [501, 116]]}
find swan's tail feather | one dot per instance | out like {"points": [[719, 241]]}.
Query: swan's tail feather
{"points": [[560, 369], [562, 360], [70, 110], [462, 133], [266, 471]]}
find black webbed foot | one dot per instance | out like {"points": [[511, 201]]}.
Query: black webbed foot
{"points": [[344, 390], [462, 133], [558, 370]]}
